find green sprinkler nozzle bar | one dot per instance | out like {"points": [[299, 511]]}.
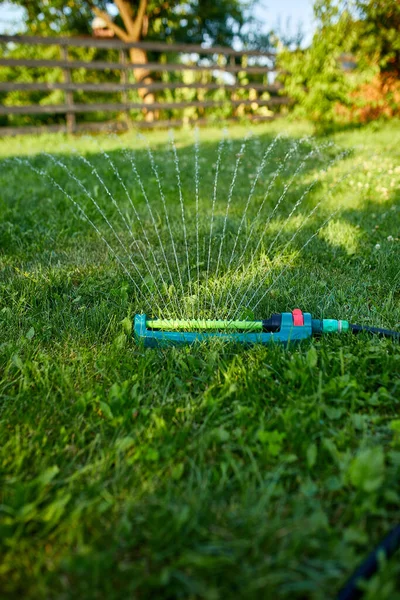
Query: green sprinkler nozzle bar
{"points": [[267, 325], [203, 325]]}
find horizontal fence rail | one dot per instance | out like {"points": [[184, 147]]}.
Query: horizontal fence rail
{"points": [[82, 108], [90, 42], [145, 86], [98, 65], [120, 87]]}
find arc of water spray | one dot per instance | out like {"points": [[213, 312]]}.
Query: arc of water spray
{"points": [[181, 202], [280, 168], [305, 193], [296, 205], [221, 146], [87, 193], [116, 172], [88, 220], [228, 204], [148, 205], [197, 192], [253, 187], [286, 189], [122, 183], [305, 220], [156, 175], [277, 172], [178, 307], [109, 194], [296, 255], [278, 203], [311, 213]]}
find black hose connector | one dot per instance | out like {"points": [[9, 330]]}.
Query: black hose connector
{"points": [[273, 323]]}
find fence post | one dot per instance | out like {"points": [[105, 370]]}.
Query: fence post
{"points": [[124, 93], [69, 95]]}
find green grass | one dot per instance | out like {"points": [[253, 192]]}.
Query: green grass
{"points": [[212, 471]]}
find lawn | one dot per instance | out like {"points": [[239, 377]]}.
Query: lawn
{"points": [[213, 471]]}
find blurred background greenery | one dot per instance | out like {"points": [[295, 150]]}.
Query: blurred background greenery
{"points": [[339, 68]]}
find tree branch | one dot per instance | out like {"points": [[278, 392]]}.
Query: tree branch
{"points": [[125, 10], [137, 30], [117, 30], [134, 26]]}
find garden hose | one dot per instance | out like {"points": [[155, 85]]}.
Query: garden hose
{"points": [[375, 330], [387, 547]]}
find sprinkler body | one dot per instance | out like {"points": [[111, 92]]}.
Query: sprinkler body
{"points": [[282, 328]]}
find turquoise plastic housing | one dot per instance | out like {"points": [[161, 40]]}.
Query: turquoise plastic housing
{"points": [[287, 333]]}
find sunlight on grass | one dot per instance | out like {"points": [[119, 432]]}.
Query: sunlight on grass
{"points": [[341, 234]]}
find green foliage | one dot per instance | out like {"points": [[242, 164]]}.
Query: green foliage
{"points": [[379, 40], [215, 21], [367, 470], [316, 79], [204, 472]]}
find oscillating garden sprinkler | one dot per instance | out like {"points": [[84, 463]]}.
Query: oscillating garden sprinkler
{"points": [[282, 328]]}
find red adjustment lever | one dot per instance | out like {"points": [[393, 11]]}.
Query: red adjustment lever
{"points": [[298, 318]]}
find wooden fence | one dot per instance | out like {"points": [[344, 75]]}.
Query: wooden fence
{"points": [[220, 60]]}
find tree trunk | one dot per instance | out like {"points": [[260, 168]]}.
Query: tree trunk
{"points": [[139, 56], [135, 27]]}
